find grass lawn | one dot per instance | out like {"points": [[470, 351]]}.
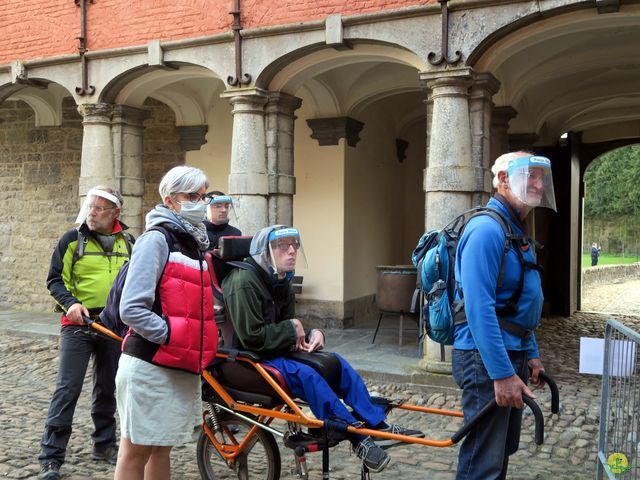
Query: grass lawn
{"points": [[606, 259]]}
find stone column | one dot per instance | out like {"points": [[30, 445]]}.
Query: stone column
{"points": [[127, 133], [484, 87], [248, 177], [499, 127], [96, 164], [450, 176], [280, 120]]}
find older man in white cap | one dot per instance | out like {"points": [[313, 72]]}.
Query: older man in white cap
{"points": [[83, 266]]}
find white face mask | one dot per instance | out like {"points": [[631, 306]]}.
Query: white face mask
{"points": [[193, 212]]}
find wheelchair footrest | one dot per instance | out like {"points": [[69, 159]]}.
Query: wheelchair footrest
{"points": [[314, 440]]}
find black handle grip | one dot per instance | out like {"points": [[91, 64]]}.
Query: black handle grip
{"points": [[555, 393], [539, 419], [489, 407]]}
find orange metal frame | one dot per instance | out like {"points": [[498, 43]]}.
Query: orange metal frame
{"points": [[266, 415], [299, 417]]}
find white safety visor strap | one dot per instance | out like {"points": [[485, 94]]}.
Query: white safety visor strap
{"points": [[84, 210]]}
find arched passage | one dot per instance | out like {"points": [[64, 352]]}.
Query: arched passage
{"points": [[559, 75], [611, 230], [40, 145], [359, 160]]}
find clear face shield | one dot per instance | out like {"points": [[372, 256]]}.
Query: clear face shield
{"points": [[531, 182], [221, 211], [285, 250], [89, 201]]}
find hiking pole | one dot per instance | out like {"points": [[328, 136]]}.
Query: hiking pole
{"points": [[101, 329]]}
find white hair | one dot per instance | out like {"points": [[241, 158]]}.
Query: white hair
{"points": [[182, 179], [502, 164]]}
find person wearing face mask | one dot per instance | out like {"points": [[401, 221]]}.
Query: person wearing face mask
{"points": [[83, 268], [495, 351], [167, 302]]}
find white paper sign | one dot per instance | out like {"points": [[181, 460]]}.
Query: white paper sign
{"points": [[622, 357]]}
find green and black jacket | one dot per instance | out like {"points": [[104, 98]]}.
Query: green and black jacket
{"points": [[87, 278]]}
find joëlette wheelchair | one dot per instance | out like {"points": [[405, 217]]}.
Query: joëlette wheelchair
{"points": [[244, 398]]}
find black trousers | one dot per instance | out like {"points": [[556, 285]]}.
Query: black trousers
{"points": [[77, 345]]}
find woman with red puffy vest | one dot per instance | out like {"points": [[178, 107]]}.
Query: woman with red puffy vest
{"points": [[167, 302]]}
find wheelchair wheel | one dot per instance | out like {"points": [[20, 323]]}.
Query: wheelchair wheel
{"points": [[259, 461]]}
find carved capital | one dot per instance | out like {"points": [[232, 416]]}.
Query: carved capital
{"points": [[130, 115], [246, 100], [484, 85], [283, 103], [447, 82], [192, 137], [501, 116], [96, 112], [329, 131]]}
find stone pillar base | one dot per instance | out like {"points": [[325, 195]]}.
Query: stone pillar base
{"points": [[435, 366]]}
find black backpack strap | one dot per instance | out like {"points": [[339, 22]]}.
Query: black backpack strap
{"points": [[128, 241], [80, 246], [515, 241]]}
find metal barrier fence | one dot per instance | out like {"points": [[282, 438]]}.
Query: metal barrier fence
{"points": [[619, 438]]}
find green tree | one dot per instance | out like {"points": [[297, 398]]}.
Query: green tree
{"points": [[612, 184], [612, 200]]}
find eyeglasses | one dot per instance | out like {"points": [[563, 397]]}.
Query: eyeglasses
{"points": [[220, 206], [100, 209], [532, 177], [195, 197], [284, 246]]}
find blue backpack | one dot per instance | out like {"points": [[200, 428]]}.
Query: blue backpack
{"points": [[436, 286]]}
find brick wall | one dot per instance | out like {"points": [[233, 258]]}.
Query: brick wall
{"points": [[42, 28], [39, 170]]}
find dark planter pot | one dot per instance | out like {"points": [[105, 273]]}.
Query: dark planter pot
{"points": [[396, 284]]}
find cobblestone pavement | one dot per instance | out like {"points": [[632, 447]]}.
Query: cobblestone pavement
{"points": [[28, 367]]}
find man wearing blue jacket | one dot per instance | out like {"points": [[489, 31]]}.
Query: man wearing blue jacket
{"points": [[494, 351]]}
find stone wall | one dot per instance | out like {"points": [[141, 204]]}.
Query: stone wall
{"points": [[39, 169], [162, 150], [610, 274]]}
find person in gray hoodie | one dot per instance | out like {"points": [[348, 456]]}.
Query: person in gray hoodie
{"points": [[261, 304], [167, 302]]}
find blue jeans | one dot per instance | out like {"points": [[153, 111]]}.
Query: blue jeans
{"points": [[484, 454], [307, 384], [77, 345]]}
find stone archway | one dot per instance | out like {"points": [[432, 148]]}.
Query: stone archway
{"points": [[115, 147], [40, 146], [359, 160], [558, 75]]}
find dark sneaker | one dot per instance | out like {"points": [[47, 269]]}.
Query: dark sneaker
{"points": [[49, 471], [375, 458], [398, 430], [107, 454]]}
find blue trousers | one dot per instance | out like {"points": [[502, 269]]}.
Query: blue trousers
{"points": [[77, 346], [305, 383], [484, 454]]}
